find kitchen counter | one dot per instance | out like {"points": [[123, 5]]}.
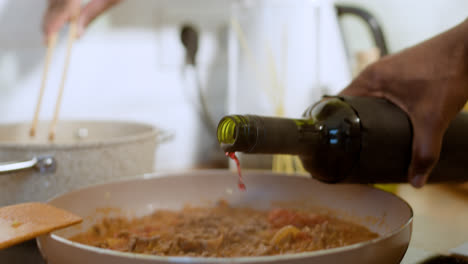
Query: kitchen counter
{"points": [[440, 220]]}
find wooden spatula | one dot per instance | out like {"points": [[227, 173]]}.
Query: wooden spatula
{"points": [[22, 222]]}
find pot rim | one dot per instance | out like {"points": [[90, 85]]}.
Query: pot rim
{"points": [[261, 259], [150, 132]]}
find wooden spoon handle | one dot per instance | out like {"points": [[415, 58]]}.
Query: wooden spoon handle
{"points": [[71, 38], [50, 50], [22, 222]]}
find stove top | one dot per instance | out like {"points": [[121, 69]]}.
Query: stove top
{"points": [[25, 253], [444, 260]]}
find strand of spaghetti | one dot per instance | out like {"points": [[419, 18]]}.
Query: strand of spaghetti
{"points": [[298, 164], [277, 93], [291, 163], [281, 163], [284, 59], [245, 46]]}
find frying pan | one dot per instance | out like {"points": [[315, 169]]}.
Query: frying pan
{"points": [[381, 212]]}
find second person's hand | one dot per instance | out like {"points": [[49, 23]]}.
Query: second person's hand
{"points": [[59, 12]]}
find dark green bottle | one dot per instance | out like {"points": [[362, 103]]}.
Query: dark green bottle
{"points": [[347, 139]]}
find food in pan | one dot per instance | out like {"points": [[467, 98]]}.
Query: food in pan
{"points": [[224, 231]]}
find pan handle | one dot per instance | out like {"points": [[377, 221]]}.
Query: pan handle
{"points": [[44, 164]]}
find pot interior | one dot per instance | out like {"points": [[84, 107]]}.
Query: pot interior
{"points": [[73, 132]]}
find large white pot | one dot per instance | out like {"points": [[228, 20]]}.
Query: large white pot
{"points": [[84, 153]]}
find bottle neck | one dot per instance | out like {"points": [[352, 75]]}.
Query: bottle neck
{"points": [[268, 135]]}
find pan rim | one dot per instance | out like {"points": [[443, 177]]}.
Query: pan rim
{"points": [[247, 259]]}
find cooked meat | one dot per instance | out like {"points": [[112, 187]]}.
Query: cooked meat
{"points": [[224, 231]]}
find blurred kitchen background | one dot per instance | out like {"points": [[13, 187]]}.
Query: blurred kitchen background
{"points": [[259, 56]]}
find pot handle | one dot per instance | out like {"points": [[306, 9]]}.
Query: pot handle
{"points": [[165, 136], [44, 164]]}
